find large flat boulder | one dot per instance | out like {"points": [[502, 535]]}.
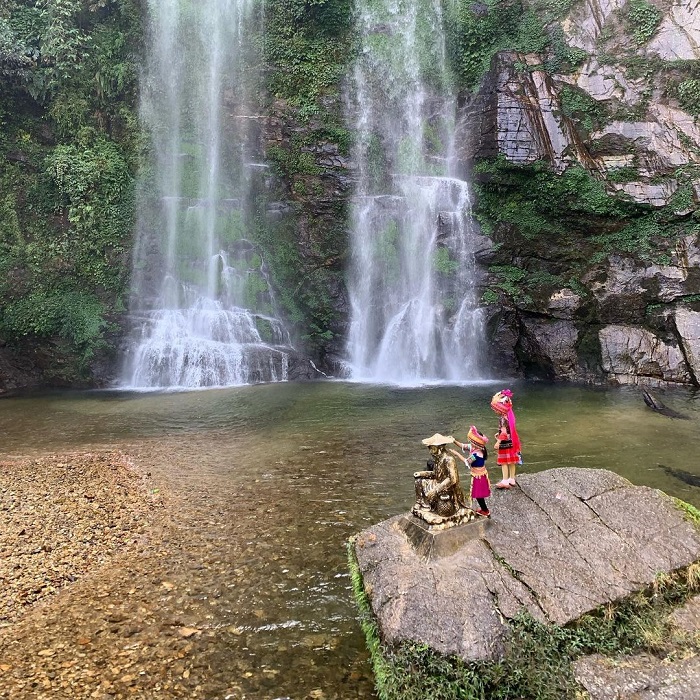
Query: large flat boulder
{"points": [[564, 543]]}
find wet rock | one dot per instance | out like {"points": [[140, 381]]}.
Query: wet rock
{"points": [[549, 348], [678, 35], [563, 304], [688, 327], [687, 618], [639, 677]]}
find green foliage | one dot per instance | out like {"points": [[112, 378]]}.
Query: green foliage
{"points": [[386, 251], [536, 203], [16, 56], [306, 44], [443, 262], [72, 315], [582, 108], [691, 512], [477, 31], [303, 285], [643, 18], [562, 224], [689, 96], [475, 34], [641, 236], [531, 36], [563, 58], [67, 108], [624, 174]]}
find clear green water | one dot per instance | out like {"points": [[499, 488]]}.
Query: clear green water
{"points": [[275, 478]]}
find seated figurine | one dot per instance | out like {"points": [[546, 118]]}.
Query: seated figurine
{"points": [[438, 491]]}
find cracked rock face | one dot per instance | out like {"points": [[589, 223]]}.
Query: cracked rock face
{"points": [[630, 353], [565, 542]]}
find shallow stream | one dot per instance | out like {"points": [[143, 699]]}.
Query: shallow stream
{"points": [[273, 479]]}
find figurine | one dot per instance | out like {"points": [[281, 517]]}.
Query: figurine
{"points": [[438, 492]]}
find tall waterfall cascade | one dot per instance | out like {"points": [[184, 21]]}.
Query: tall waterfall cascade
{"points": [[202, 307], [414, 312]]}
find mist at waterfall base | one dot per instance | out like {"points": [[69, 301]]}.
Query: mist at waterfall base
{"points": [[269, 481], [202, 308], [414, 312]]}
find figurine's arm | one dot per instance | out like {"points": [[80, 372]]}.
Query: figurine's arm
{"points": [[422, 475], [441, 487]]}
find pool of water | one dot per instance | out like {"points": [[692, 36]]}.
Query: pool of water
{"points": [[275, 478]]}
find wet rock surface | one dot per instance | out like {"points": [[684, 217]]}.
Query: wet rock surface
{"points": [[564, 543], [640, 677]]}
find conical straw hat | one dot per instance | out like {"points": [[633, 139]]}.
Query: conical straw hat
{"points": [[438, 439]]}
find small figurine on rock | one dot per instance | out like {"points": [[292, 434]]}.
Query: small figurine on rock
{"points": [[507, 441], [476, 461], [438, 492]]}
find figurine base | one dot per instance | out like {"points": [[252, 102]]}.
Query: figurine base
{"points": [[442, 522], [442, 540]]}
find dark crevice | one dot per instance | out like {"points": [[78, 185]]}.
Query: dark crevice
{"points": [[517, 576]]}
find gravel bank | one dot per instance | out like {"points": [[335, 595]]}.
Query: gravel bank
{"points": [[67, 524], [63, 516]]}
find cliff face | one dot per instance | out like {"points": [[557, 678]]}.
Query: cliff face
{"points": [[588, 173]]}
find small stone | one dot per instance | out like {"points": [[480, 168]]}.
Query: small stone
{"points": [[188, 631]]}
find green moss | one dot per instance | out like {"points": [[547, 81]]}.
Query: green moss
{"points": [[690, 512], [307, 46], [689, 96], [443, 262], [382, 669], [582, 108], [643, 19], [624, 174]]}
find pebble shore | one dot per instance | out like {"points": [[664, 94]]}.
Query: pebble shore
{"points": [[62, 517], [64, 520]]}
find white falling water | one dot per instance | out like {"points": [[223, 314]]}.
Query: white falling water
{"points": [[201, 302], [414, 314]]}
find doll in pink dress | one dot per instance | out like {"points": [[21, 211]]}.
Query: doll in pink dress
{"points": [[507, 440], [476, 461]]}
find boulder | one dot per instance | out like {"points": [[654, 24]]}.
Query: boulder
{"points": [[564, 543], [638, 677], [550, 348], [643, 676]]}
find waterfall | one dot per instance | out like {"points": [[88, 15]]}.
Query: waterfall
{"points": [[414, 314], [202, 307]]}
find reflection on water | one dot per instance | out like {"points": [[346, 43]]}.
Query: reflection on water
{"points": [[275, 478]]}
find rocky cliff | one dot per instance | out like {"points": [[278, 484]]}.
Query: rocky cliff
{"points": [[587, 158]]}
